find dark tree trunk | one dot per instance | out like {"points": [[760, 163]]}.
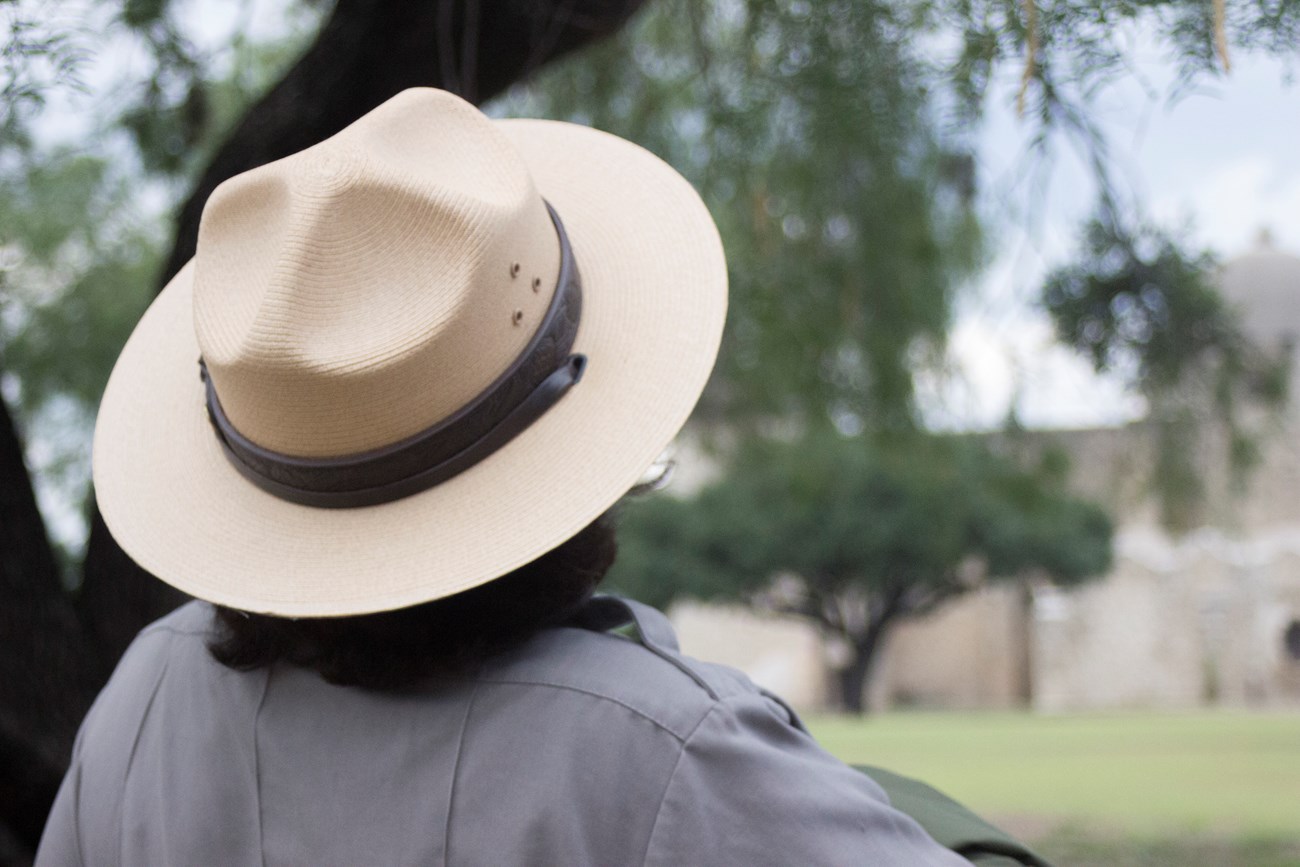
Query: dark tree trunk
{"points": [[56, 652], [854, 679], [854, 694], [117, 597], [48, 670]]}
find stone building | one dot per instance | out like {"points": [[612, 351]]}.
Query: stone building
{"points": [[1208, 618]]}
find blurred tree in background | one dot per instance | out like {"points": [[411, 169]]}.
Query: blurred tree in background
{"points": [[832, 141], [858, 533]]}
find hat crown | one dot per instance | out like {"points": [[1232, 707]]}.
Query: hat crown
{"points": [[360, 291]]}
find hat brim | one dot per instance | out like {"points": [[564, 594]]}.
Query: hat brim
{"points": [[654, 300]]}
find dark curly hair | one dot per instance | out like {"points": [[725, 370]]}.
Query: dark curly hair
{"points": [[392, 650]]}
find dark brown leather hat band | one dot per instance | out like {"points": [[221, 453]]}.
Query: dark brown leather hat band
{"points": [[542, 374]]}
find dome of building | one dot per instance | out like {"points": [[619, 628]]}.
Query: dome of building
{"points": [[1264, 285]]}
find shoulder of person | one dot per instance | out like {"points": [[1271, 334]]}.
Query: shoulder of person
{"points": [[108, 734], [150, 651], [746, 784], [627, 652]]}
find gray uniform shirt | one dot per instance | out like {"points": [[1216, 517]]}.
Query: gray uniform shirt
{"points": [[578, 748]]}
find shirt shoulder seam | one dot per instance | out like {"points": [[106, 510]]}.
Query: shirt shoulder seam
{"points": [[172, 630], [257, 763], [135, 744], [630, 707], [455, 775], [663, 796]]}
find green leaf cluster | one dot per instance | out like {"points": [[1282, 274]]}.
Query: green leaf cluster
{"points": [[903, 523], [82, 226], [1137, 300], [80, 266]]}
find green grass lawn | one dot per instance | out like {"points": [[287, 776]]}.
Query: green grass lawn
{"points": [[1198, 780]]}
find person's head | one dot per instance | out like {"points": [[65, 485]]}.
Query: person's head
{"points": [[407, 371]]}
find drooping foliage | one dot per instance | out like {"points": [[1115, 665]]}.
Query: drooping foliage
{"points": [[1139, 301], [80, 261], [846, 211]]}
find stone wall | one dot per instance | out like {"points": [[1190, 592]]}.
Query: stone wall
{"points": [[971, 653]]}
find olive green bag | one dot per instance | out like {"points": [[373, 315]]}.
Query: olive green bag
{"points": [[951, 824]]}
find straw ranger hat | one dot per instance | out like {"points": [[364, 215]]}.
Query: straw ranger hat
{"points": [[408, 360]]}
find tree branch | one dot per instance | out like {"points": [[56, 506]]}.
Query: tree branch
{"points": [[370, 50]]}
